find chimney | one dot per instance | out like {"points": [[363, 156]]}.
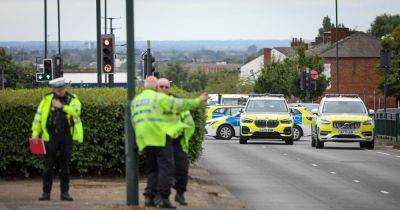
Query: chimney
{"points": [[267, 56], [327, 37], [342, 33], [319, 40]]}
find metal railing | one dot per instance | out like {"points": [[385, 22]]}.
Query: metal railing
{"points": [[387, 125]]}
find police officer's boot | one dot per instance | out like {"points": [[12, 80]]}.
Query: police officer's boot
{"points": [[165, 204], [45, 197], [149, 201], [180, 198], [66, 197]]}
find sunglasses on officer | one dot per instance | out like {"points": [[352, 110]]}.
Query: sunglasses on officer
{"points": [[164, 86]]}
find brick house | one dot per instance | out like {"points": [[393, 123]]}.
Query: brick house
{"points": [[359, 55]]}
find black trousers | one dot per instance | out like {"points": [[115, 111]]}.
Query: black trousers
{"points": [[181, 167], [62, 144], [159, 170]]}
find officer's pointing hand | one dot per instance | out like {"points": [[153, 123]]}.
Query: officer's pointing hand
{"points": [[56, 103], [203, 97]]}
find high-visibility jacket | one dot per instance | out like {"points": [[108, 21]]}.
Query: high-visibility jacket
{"points": [[188, 132], [155, 115], [73, 111]]}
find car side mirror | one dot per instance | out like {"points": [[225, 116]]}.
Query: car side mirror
{"points": [[314, 111], [371, 112], [241, 110]]}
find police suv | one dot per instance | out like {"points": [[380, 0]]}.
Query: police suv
{"points": [[266, 116], [342, 118]]}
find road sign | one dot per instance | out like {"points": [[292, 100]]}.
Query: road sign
{"points": [[43, 77], [314, 74]]}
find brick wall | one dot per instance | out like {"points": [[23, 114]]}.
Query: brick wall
{"points": [[358, 76]]}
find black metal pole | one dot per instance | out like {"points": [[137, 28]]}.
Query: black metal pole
{"points": [[111, 76], [385, 88], [105, 16], [45, 28], [131, 156], [149, 64], [59, 36], [337, 50], [98, 28]]}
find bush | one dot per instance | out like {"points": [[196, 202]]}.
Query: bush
{"points": [[102, 151]]}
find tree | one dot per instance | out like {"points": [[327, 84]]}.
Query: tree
{"points": [[327, 25], [384, 25], [175, 73]]}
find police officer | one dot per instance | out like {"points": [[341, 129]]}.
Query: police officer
{"points": [[155, 122], [57, 122], [181, 148]]}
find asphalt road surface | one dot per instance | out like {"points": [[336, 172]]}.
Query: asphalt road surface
{"points": [[272, 175]]}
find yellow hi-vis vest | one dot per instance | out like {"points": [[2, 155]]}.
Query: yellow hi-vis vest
{"points": [[72, 109], [154, 116], [188, 132]]}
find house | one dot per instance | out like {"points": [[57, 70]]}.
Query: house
{"points": [[359, 55]]}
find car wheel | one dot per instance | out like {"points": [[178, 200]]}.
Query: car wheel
{"points": [[312, 142], [225, 132], [319, 144], [370, 145], [243, 140], [297, 133], [288, 141]]}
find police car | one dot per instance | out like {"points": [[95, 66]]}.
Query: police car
{"points": [[224, 127], [266, 116], [342, 118], [302, 121], [218, 111]]}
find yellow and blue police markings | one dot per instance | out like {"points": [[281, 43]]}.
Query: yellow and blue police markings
{"points": [[217, 111], [224, 127], [302, 119]]}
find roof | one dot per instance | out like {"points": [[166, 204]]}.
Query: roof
{"points": [[287, 51], [268, 98], [357, 45], [342, 99]]}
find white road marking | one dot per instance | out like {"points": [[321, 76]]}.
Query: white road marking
{"points": [[356, 181], [315, 165], [383, 153], [298, 159], [384, 192], [264, 147], [398, 156], [332, 172], [284, 154]]}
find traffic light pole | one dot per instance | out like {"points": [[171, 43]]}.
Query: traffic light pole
{"points": [[98, 28], [149, 63], [45, 28], [131, 155], [111, 76], [59, 36], [337, 50]]}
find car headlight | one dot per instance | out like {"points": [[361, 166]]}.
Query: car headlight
{"points": [[368, 122], [247, 120], [325, 122], [286, 121]]}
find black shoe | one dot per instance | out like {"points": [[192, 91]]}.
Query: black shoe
{"points": [[45, 197], [66, 197], [149, 201], [180, 198], [166, 204]]}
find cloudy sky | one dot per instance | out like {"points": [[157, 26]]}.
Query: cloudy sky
{"points": [[22, 20]]}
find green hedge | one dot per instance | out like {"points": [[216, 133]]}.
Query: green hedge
{"points": [[103, 116]]}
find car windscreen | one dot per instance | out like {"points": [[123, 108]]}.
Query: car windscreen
{"points": [[340, 107], [230, 101], [262, 106]]}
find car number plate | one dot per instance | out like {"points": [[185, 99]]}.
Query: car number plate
{"points": [[347, 132], [268, 130]]}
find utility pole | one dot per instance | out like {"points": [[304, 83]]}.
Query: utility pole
{"points": [[105, 16], [337, 50], [45, 28], [149, 57], [59, 37], [98, 29], [131, 154]]}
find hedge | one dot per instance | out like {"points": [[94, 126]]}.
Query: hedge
{"points": [[103, 116]]}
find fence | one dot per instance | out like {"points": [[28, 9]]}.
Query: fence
{"points": [[387, 125]]}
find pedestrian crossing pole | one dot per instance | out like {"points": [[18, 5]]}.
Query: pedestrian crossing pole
{"points": [[131, 155]]}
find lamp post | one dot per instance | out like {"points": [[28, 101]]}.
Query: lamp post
{"points": [[337, 50]]}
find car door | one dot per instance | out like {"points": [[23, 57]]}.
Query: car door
{"points": [[219, 112]]}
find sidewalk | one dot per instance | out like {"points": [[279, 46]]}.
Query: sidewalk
{"points": [[107, 193]]}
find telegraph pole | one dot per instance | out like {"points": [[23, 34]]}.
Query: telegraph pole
{"points": [[45, 28], [59, 37], [98, 29], [337, 50], [131, 155]]}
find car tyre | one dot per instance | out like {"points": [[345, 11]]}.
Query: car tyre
{"points": [[297, 133], [319, 144], [370, 145], [242, 140], [288, 141], [225, 132]]}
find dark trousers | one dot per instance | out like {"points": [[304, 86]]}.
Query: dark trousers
{"points": [[159, 170], [181, 167], [61, 143]]}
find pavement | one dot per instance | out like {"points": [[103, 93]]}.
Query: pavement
{"points": [[110, 193], [271, 175]]}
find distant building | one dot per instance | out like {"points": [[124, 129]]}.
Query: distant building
{"points": [[210, 68]]}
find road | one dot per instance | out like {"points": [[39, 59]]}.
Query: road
{"points": [[272, 175]]}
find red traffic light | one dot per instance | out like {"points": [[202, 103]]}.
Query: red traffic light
{"points": [[314, 74], [106, 42]]}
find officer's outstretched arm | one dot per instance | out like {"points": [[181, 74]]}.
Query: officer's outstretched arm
{"points": [[37, 121], [74, 108], [170, 104]]}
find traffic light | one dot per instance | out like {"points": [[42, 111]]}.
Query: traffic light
{"points": [[107, 53], [58, 63], [149, 68], [48, 67]]}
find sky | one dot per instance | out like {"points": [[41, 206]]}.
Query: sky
{"points": [[22, 20]]}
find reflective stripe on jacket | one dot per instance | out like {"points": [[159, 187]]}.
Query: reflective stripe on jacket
{"points": [[72, 109]]}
